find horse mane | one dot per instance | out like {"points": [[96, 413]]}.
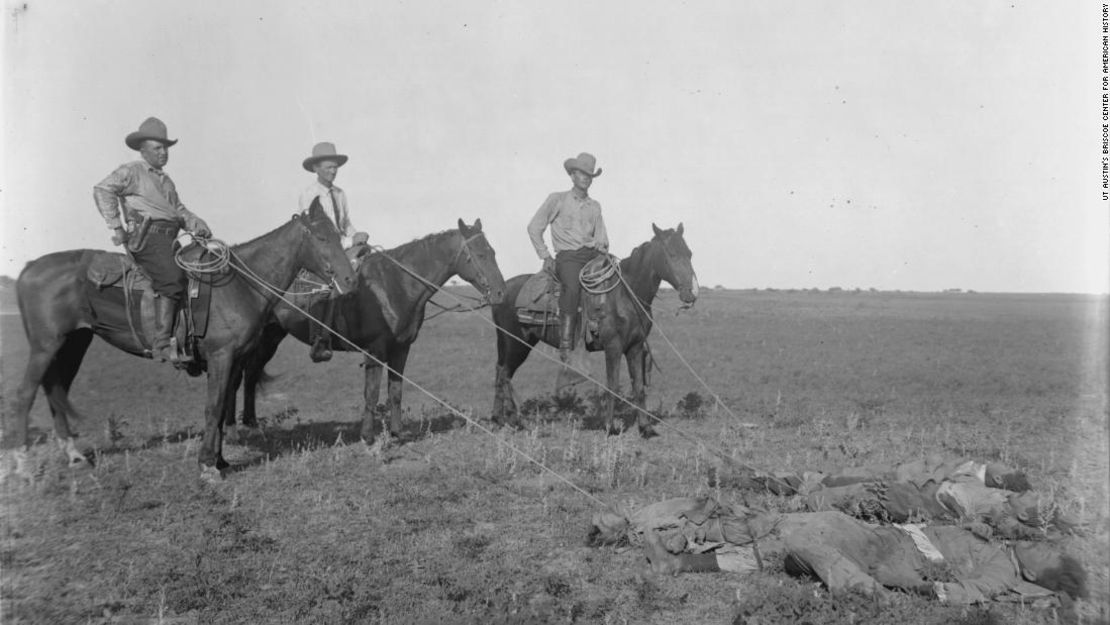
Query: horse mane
{"points": [[405, 247], [264, 234], [636, 257]]}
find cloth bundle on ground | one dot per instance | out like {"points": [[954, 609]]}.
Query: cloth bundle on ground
{"points": [[949, 563], [929, 489]]}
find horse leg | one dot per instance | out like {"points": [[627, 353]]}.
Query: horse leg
{"points": [[56, 384], [221, 368], [397, 359], [371, 389], [511, 354], [231, 434], [612, 382], [254, 370], [636, 373], [16, 430]]}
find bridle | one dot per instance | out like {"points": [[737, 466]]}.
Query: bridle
{"points": [[329, 271], [483, 280]]}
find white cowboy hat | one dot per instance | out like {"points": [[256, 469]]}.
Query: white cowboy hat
{"points": [[323, 151]]}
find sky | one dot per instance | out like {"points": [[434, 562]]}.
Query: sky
{"points": [[861, 144]]}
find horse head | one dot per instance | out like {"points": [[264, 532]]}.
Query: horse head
{"points": [[676, 268], [476, 262], [323, 255]]}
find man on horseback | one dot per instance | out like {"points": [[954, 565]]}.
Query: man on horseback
{"points": [[325, 163], [140, 203], [577, 234]]}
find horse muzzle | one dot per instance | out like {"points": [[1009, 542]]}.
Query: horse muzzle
{"points": [[495, 296], [689, 295], [338, 287]]}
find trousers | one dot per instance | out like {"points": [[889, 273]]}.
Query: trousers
{"points": [[568, 264], [155, 255]]}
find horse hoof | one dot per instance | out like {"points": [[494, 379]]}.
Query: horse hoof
{"points": [[614, 431], [211, 475]]}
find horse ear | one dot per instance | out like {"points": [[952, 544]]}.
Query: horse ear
{"points": [[462, 225], [315, 207], [478, 224], [679, 229], [655, 229]]}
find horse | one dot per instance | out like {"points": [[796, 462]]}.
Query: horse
{"points": [[60, 320], [404, 279], [623, 324]]}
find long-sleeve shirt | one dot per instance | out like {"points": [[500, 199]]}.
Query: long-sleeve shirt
{"points": [[143, 191], [575, 223], [336, 210]]}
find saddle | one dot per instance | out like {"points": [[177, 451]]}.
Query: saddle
{"points": [[537, 303], [115, 278]]}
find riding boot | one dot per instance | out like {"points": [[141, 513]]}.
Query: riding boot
{"points": [[163, 348], [566, 336], [321, 337]]}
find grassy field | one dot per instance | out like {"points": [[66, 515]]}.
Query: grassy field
{"points": [[312, 526]]}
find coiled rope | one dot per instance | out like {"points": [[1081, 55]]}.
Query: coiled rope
{"points": [[594, 281], [216, 261]]}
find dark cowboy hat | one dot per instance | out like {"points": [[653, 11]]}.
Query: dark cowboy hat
{"points": [[323, 151], [152, 128], [584, 163]]}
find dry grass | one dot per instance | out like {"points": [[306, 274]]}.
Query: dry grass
{"points": [[313, 527]]}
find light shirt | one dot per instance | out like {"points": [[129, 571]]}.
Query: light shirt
{"points": [[575, 223], [336, 211], [144, 192]]}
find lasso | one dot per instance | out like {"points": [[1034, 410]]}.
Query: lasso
{"points": [[594, 281], [216, 261]]}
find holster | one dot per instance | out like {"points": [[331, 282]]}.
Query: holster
{"points": [[137, 240]]}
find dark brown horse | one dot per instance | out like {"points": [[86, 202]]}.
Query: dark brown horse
{"points": [[623, 326], [406, 277], [60, 321]]}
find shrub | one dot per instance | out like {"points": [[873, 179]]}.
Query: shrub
{"points": [[690, 406]]}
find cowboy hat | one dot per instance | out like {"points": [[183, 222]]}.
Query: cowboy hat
{"points": [[584, 163], [152, 128], [323, 151]]}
